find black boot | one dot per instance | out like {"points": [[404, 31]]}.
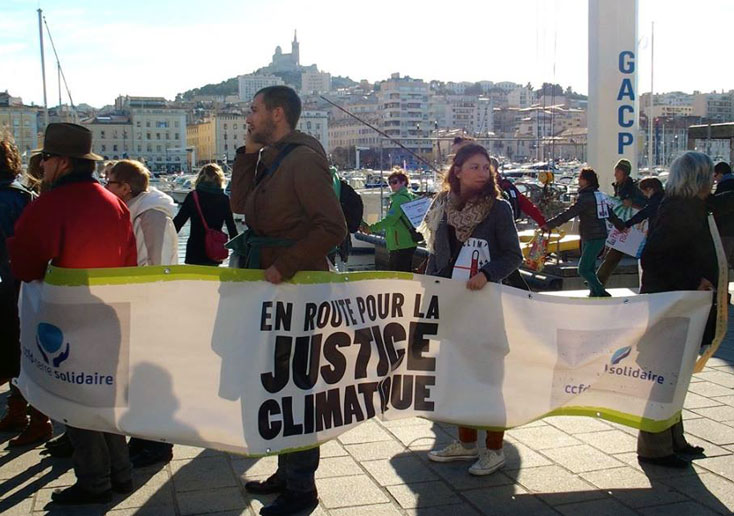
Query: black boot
{"points": [[270, 486], [77, 495], [669, 461], [291, 502], [690, 450]]}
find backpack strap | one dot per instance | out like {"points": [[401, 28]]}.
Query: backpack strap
{"points": [[276, 163]]}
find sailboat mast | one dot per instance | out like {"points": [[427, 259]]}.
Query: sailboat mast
{"points": [[43, 68], [650, 117]]}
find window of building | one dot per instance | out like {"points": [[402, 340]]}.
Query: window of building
{"points": [[137, 123], [234, 126], [225, 127], [225, 146], [114, 147], [176, 136], [147, 123], [157, 136], [147, 135], [168, 136], [103, 147], [150, 148], [175, 124], [101, 134], [158, 148]]}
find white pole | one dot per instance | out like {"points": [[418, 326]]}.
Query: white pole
{"points": [[43, 69], [651, 137]]}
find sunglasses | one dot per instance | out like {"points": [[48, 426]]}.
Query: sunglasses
{"points": [[47, 156]]}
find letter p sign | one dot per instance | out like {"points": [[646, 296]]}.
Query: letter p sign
{"points": [[623, 140]]}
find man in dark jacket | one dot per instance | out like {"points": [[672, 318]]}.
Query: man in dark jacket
{"points": [[77, 224], [626, 190], [282, 184]]}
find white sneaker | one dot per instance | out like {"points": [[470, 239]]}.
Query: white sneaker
{"points": [[489, 461], [454, 451]]}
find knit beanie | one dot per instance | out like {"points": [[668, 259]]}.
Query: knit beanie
{"points": [[624, 165]]}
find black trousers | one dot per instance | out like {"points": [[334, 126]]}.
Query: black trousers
{"points": [[401, 260]]}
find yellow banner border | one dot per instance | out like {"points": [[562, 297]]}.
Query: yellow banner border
{"points": [[136, 275]]}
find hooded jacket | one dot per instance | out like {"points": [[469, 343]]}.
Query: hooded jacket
{"points": [[295, 201], [396, 224], [151, 213]]}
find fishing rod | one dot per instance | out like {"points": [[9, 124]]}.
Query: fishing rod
{"points": [[382, 133], [61, 70]]}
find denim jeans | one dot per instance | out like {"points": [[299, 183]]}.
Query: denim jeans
{"points": [[99, 459], [297, 469]]}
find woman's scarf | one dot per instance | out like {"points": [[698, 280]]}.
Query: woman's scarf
{"points": [[463, 220], [467, 218]]}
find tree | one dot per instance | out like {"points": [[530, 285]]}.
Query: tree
{"points": [[474, 89]]}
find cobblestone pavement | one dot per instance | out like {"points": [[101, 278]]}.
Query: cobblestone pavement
{"points": [[560, 465]]}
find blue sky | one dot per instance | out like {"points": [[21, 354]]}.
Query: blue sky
{"points": [[157, 48]]}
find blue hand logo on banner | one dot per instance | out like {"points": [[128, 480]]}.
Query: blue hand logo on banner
{"points": [[50, 340], [621, 354]]}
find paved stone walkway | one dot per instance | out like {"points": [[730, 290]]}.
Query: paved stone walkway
{"points": [[561, 465]]}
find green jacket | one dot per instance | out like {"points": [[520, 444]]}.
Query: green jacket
{"points": [[396, 224]]}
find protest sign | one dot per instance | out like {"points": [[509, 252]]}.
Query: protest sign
{"points": [[416, 210]]}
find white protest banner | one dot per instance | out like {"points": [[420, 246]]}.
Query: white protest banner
{"points": [[218, 358], [416, 210]]}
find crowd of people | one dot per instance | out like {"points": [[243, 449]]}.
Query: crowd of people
{"points": [[282, 184]]}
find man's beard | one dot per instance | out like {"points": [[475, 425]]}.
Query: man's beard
{"points": [[265, 135]]}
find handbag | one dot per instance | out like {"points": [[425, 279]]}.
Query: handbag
{"points": [[538, 251], [214, 239], [414, 235]]}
